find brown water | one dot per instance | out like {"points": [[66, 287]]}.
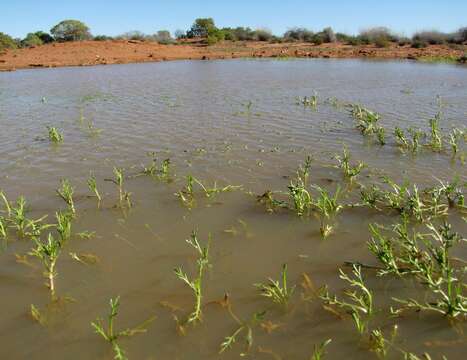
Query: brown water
{"points": [[195, 113]]}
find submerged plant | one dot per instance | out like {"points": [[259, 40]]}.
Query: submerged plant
{"points": [[319, 350], [278, 292], [454, 138], [350, 171], [111, 335], [48, 253], [300, 196], [161, 172], [309, 101], [66, 193], [196, 283], [367, 120], [360, 301], [381, 135], [54, 135], [243, 327]]}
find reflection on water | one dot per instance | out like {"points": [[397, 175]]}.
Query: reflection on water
{"points": [[233, 122]]}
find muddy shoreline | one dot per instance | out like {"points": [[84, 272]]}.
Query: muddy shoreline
{"points": [[88, 53]]}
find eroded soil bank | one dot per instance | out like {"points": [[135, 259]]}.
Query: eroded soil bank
{"points": [[120, 52]]}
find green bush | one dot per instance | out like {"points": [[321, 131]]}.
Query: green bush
{"points": [[164, 37], [46, 38], [31, 40], [432, 37], [70, 30], [7, 42], [419, 44], [202, 27], [263, 35], [382, 42], [102, 38]]}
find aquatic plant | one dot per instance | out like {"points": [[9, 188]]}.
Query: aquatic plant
{"points": [[92, 185], [267, 198], [196, 283], [3, 228], [436, 142], [401, 140], [360, 301], [111, 335], [278, 292], [243, 327], [300, 196], [162, 172], [309, 101], [454, 138], [367, 120], [54, 135], [63, 226], [319, 350], [123, 195], [350, 171], [66, 193], [381, 135], [327, 207], [427, 258], [48, 252]]}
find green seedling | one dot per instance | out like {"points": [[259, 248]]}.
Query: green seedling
{"points": [[320, 350], [367, 120], [92, 185], [400, 138], [311, 101], [360, 301], [327, 207], [186, 195], [454, 139], [436, 142], [196, 283], [278, 292], [54, 135], [381, 135], [123, 196], [66, 193], [244, 327], [3, 228], [63, 226], [48, 252], [350, 171], [300, 197], [111, 335], [267, 198], [153, 170]]}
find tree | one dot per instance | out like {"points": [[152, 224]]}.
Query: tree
{"points": [[31, 40], [7, 42], [45, 37], [70, 30], [202, 27], [164, 37]]}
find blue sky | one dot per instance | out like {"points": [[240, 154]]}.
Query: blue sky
{"points": [[113, 17]]}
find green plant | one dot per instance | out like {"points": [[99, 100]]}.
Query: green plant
{"points": [[66, 193], [381, 135], [400, 138], [277, 292], [243, 326], [92, 185], [319, 350], [63, 226], [54, 135], [162, 172], [111, 335], [454, 138], [367, 119], [310, 101], [123, 195], [48, 253], [196, 283], [360, 301], [300, 196], [327, 207], [70, 30], [436, 142], [350, 171]]}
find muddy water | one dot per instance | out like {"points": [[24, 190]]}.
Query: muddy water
{"points": [[198, 115]]}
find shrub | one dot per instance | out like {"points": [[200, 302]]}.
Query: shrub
{"points": [[377, 34], [382, 42], [431, 37], [31, 40], [7, 42], [328, 35], [263, 35], [70, 30], [299, 34], [45, 37], [180, 34], [419, 44], [461, 35], [102, 38], [133, 35], [164, 37], [404, 41], [211, 40]]}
